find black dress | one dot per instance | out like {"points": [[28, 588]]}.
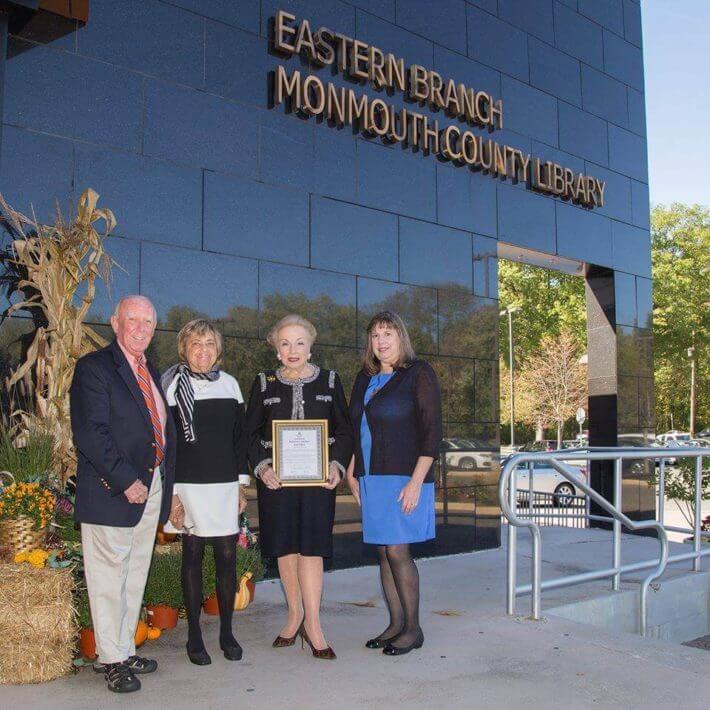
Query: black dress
{"points": [[297, 520]]}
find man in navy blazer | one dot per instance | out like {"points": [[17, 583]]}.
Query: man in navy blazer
{"points": [[125, 445]]}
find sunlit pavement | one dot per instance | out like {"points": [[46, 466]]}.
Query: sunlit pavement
{"points": [[474, 655]]}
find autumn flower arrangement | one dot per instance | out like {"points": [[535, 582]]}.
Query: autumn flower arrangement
{"points": [[31, 500]]}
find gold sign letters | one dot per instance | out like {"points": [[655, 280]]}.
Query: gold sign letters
{"points": [[340, 106]]}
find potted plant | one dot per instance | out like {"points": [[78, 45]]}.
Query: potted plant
{"points": [[250, 569], [87, 642], [26, 510], [163, 591]]}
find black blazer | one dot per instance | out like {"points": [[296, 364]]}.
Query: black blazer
{"points": [[113, 437], [323, 398], [404, 419]]}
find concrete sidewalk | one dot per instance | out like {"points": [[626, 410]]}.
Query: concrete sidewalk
{"points": [[474, 655]]}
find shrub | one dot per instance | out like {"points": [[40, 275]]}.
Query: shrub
{"points": [[248, 560], [83, 610], [163, 585], [30, 462]]}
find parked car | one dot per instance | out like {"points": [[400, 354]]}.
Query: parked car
{"points": [[704, 434], [548, 480], [466, 454], [543, 445], [671, 444], [681, 436]]}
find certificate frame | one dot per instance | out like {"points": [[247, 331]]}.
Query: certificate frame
{"points": [[282, 427]]}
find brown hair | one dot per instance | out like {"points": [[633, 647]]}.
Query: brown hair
{"points": [[370, 361], [198, 327]]}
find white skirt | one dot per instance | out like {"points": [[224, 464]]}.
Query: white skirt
{"points": [[211, 509]]}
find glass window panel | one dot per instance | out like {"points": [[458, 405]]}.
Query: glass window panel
{"points": [[431, 255], [154, 38], [354, 239], [36, 173], [468, 324], [201, 129], [256, 220], [397, 180], [486, 391], [124, 279], [151, 200], [110, 113], [414, 304], [184, 284], [325, 298]]}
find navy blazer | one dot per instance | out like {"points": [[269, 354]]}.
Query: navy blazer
{"points": [[113, 438]]}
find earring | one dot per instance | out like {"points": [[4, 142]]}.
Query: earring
{"points": [[309, 356]]}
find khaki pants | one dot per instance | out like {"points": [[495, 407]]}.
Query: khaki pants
{"points": [[116, 563]]}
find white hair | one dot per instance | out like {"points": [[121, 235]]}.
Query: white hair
{"points": [[134, 297]]}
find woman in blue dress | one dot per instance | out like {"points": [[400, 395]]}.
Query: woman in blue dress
{"points": [[395, 408]]}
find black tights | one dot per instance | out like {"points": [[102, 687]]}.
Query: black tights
{"points": [[400, 584], [225, 559]]}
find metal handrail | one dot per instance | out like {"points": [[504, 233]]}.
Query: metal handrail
{"points": [[507, 485]]}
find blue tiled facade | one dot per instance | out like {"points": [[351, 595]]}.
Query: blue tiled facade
{"points": [[230, 208]]}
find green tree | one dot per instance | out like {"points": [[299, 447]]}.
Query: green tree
{"points": [[680, 241], [551, 302]]}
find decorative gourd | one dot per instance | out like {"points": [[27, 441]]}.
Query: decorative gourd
{"points": [[141, 633], [243, 596], [153, 633]]}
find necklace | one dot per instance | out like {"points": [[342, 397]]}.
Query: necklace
{"points": [[200, 385]]}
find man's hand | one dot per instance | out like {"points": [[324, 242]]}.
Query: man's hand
{"points": [[242, 500], [136, 492]]}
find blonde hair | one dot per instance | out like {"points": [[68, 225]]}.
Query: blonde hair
{"points": [[292, 319], [199, 327], [370, 361]]}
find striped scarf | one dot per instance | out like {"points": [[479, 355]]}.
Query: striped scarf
{"points": [[185, 394]]}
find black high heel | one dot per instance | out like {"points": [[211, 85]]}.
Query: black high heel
{"points": [[199, 658], [390, 650]]}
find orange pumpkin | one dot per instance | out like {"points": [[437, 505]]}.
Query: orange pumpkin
{"points": [[153, 633], [141, 633], [163, 538], [243, 597]]}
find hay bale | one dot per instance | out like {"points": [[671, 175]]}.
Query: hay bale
{"points": [[37, 624]]}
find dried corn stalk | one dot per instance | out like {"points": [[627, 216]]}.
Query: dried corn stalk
{"points": [[52, 262]]}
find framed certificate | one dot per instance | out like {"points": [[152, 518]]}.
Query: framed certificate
{"points": [[300, 448]]}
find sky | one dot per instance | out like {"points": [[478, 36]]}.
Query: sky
{"points": [[676, 39]]}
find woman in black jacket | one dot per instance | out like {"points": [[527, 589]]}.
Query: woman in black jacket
{"points": [[395, 408], [296, 524]]}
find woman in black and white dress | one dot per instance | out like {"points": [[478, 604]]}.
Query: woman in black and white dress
{"points": [[208, 409]]}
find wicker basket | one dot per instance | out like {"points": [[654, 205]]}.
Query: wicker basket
{"points": [[20, 535]]}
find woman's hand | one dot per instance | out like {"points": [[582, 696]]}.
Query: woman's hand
{"points": [[177, 513], [242, 501], [270, 479], [334, 477], [354, 487], [409, 495]]}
